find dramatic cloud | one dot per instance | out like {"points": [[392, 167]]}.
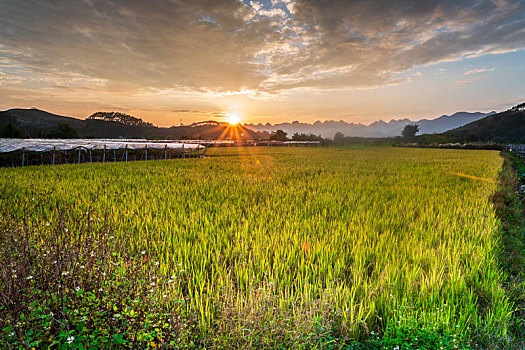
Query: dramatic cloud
{"points": [[260, 49]]}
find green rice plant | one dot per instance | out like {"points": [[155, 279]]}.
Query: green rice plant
{"points": [[291, 247]]}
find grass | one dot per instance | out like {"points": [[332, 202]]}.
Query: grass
{"points": [[364, 248]]}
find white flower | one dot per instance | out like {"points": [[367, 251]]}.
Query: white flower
{"points": [[143, 252], [47, 223], [77, 289], [104, 274], [51, 314], [70, 339], [82, 267], [111, 237], [152, 284], [14, 276], [164, 295], [100, 289], [65, 273], [173, 277], [170, 281], [151, 291], [66, 229], [29, 277], [156, 263]]}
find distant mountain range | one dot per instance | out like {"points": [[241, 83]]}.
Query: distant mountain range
{"points": [[507, 126], [37, 123], [377, 129]]}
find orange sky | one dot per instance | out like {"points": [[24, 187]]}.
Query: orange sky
{"points": [[265, 61]]}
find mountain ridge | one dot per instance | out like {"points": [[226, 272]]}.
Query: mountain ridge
{"points": [[379, 128]]}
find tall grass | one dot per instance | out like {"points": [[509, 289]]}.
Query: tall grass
{"points": [[272, 246]]}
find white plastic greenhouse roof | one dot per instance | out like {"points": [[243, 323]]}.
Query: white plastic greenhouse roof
{"points": [[47, 145]]}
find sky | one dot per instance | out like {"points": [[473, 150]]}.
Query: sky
{"points": [[173, 61]]}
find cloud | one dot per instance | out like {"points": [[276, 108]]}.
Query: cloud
{"points": [[225, 47], [480, 70]]}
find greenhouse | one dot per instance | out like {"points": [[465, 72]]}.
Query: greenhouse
{"points": [[22, 152]]}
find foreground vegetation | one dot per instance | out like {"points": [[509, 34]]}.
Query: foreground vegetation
{"points": [[368, 248]]}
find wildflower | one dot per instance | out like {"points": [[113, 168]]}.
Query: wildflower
{"points": [[143, 252], [111, 237], [12, 334], [77, 289], [70, 339], [164, 295], [170, 281], [14, 275], [29, 277], [100, 289], [152, 284], [65, 273], [82, 267], [151, 291], [156, 263], [47, 223], [173, 277], [66, 230], [51, 314], [104, 274]]}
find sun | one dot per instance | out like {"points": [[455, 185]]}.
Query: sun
{"points": [[234, 119]]}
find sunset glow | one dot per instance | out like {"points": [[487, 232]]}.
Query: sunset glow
{"points": [[281, 60], [234, 119]]}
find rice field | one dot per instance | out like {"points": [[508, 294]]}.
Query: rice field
{"points": [[323, 246]]}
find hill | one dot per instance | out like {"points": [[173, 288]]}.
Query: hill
{"points": [[38, 123], [376, 129], [503, 127]]}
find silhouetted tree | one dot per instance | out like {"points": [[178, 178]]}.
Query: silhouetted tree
{"points": [[410, 130], [339, 138], [119, 118], [62, 131], [12, 131], [279, 135]]}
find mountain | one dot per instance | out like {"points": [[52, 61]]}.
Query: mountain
{"points": [[376, 129], [38, 123], [504, 127]]}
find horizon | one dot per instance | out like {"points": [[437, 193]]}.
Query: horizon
{"points": [[233, 121], [274, 62]]}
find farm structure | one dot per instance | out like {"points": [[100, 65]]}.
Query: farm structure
{"points": [[519, 149], [23, 152]]}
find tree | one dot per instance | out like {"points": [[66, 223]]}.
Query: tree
{"points": [[339, 138], [62, 131], [279, 135], [410, 130], [119, 118], [11, 131]]}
